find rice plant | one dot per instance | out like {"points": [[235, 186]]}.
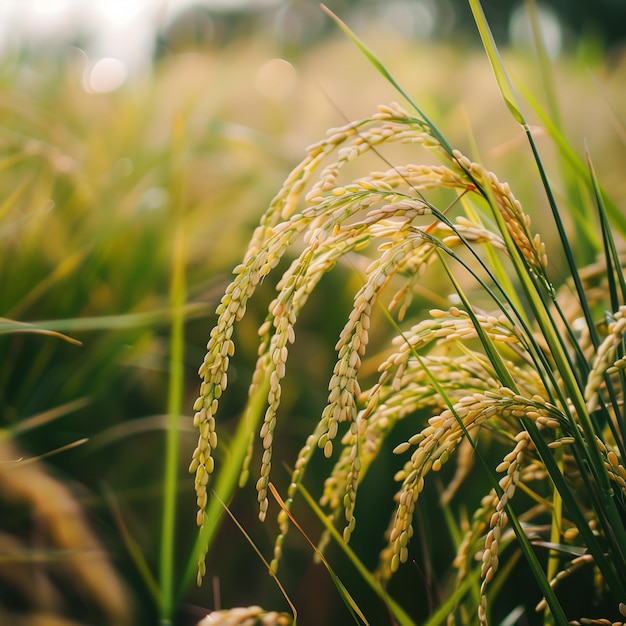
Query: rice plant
{"points": [[518, 361]]}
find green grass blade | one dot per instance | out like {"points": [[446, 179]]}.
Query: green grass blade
{"points": [[375, 61], [616, 277], [178, 296], [617, 291], [579, 171], [351, 604], [134, 550], [545, 66], [263, 559], [497, 66], [155, 318], [398, 612], [574, 185], [36, 421], [37, 328]]}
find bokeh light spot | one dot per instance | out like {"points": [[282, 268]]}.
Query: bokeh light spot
{"points": [[520, 30], [105, 75], [276, 79]]}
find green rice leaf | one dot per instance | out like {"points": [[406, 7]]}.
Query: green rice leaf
{"points": [[497, 65], [349, 601], [375, 61], [398, 612]]}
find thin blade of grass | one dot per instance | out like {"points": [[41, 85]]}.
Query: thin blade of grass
{"points": [[573, 184], [349, 601], [178, 295], [617, 291], [502, 78], [11, 326], [375, 61], [579, 172], [265, 562], [398, 612], [613, 262], [36, 421], [133, 548], [105, 322], [59, 450]]}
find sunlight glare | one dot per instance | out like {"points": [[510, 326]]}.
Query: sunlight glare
{"points": [[276, 79], [551, 29], [105, 75]]}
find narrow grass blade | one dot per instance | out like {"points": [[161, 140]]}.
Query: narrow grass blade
{"points": [[263, 559], [497, 66], [574, 185], [545, 66], [617, 282], [343, 592], [124, 321], [35, 421], [399, 614], [177, 298], [59, 450], [375, 61], [10, 326], [579, 171], [617, 292], [133, 548]]}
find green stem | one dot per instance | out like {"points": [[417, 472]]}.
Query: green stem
{"points": [[177, 296]]}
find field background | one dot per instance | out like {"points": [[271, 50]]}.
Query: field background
{"points": [[102, 194]]}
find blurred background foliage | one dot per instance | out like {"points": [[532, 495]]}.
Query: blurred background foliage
{"points": [[98, 167]]}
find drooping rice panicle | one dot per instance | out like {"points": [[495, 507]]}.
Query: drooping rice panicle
{"points": [[517, 221], [604, 361], [574, 565], [246, 616], [511, 465]]}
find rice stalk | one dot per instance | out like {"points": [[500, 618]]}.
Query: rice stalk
{"points": [[521, 361]]}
